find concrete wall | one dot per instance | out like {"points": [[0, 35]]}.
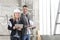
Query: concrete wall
{"points": [[6, 10]]}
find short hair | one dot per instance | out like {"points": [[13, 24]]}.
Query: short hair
{"points": [[25, 6]]}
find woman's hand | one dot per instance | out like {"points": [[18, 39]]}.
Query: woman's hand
{"points": [[18, 28], [14, 27]]}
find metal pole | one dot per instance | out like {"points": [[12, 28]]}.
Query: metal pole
{"points": [[50, 20]]}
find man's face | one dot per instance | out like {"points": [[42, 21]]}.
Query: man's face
{"points": [[25, 9]]}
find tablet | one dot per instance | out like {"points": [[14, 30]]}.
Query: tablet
{"points": [[19, 25]]}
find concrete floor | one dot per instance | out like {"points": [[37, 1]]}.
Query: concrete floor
{"points": [[4, 38], [44, 37]]}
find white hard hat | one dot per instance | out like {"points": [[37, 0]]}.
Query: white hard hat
{"points": [[16, 10]]}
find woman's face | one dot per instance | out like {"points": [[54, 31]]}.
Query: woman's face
{"points": [[17, 15]]}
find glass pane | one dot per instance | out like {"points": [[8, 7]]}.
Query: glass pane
{"points": [[58, 29]]}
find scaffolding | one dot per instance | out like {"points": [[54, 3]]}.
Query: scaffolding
{"points": [[57, 23]]}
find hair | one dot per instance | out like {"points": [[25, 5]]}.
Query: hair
{"points": [[14, 16], [25, 6]]}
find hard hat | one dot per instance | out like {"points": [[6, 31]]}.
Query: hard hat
{"points": [[16, 10]]}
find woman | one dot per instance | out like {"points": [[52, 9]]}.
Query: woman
{"points": [[15, 33]]}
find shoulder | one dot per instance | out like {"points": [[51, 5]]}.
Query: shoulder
{"points": [[11, 19], [21, 13]]}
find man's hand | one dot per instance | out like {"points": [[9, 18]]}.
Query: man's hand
{"points": [[33, 27]]}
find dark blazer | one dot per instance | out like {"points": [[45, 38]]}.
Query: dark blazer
{"points": [[13, 32], [24, 30]]}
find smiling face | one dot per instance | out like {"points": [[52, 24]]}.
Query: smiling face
{"points": [[16, 15], [25, 9]]}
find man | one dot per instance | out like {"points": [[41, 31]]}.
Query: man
{"points": [[26, 24]]}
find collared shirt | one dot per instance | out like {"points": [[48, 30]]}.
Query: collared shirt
{"points": [[28, 30]]}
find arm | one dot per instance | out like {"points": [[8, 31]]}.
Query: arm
{"points": [[10, 26], [31, 24]]}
